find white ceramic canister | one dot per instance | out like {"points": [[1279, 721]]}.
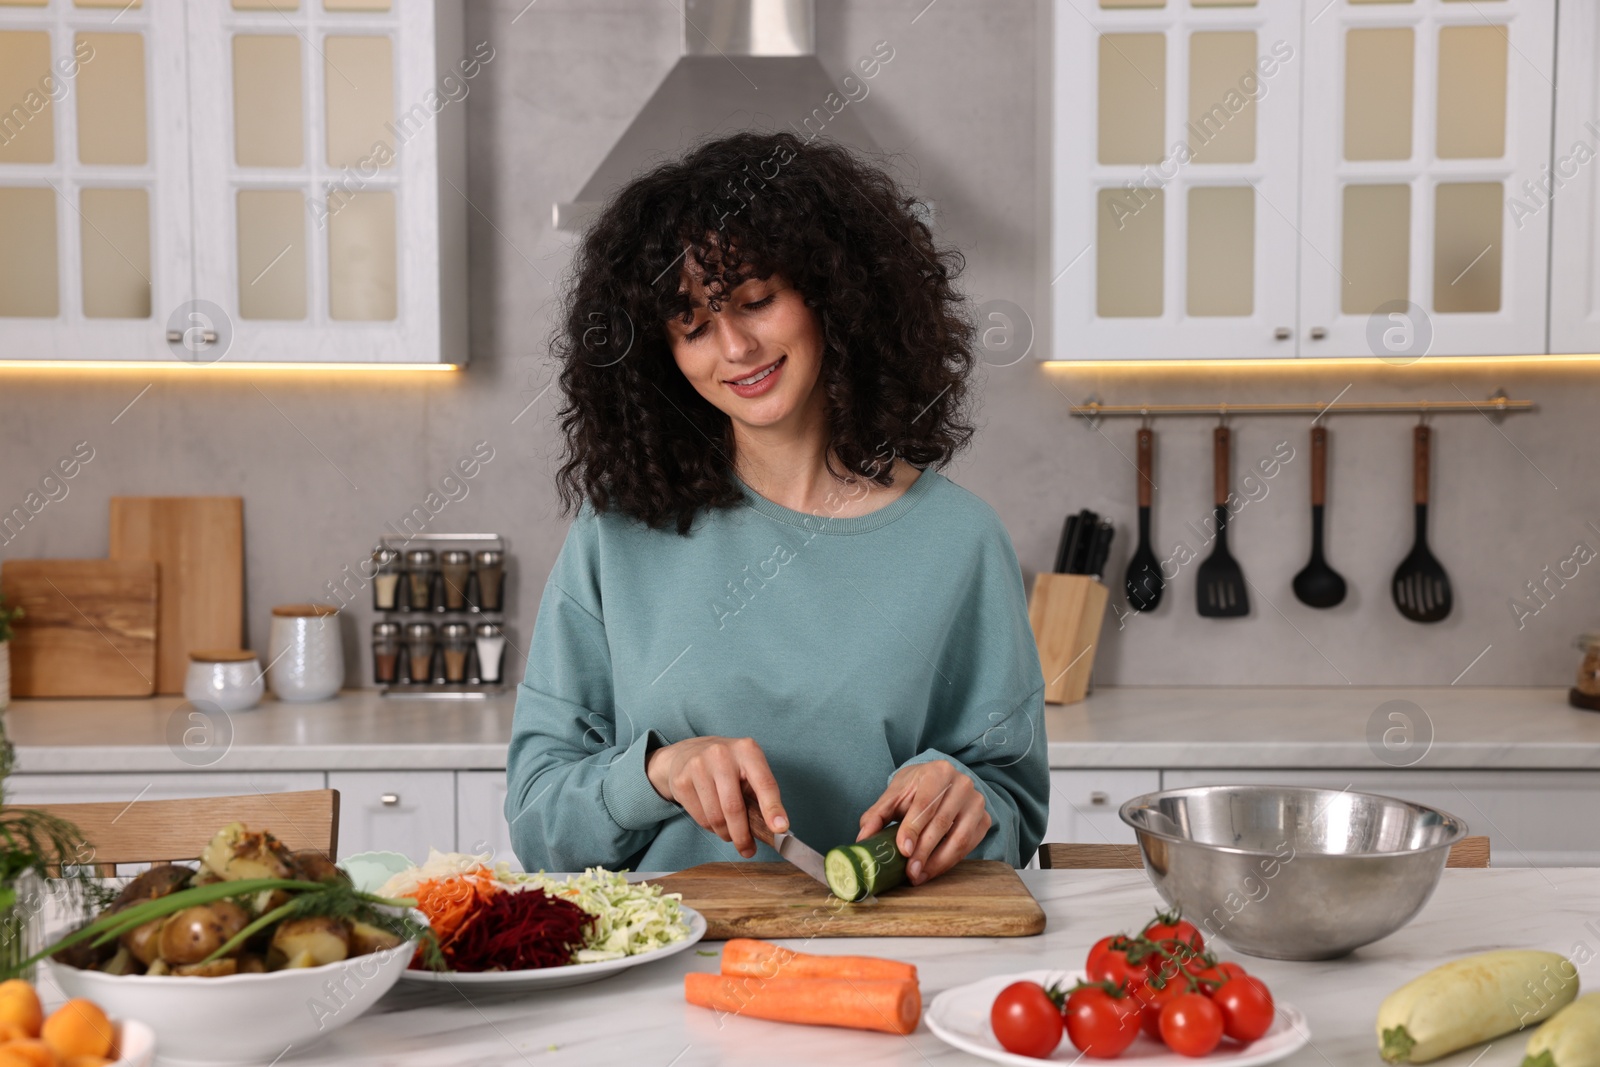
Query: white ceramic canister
{"points": [[229, 678], [305, 657]]}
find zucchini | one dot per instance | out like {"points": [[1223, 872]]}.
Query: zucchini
{"points": [[867, 867], [1571, 1038], [1471, 1000]]}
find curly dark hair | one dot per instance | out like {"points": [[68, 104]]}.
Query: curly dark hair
{"points": [[897, 334]]}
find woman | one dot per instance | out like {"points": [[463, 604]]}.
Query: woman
{"points": [[768, 597]]}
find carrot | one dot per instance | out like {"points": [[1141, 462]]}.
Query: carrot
{"points": [[763, 959], [862, 1004]]}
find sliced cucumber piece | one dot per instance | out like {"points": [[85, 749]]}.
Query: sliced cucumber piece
{"points": [[867, 867]]}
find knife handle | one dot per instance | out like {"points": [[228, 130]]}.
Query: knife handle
{"points": [[758, 825]]}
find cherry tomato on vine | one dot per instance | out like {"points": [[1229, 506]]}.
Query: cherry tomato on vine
{"points": [[1112, 960], [1246, 1006], [1154, 998], [1169, 927], [1099, 1024], [1025, 1020], [1191, 1024], [1231, 969]]}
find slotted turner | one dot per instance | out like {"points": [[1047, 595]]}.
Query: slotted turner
{"points": [[1220, 583], [1421, 588]]}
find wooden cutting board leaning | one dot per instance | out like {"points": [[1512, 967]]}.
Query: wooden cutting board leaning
{"points": [[88, 627], [199, 543], [975, 898]]}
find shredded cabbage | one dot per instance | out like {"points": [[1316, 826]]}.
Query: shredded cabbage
{"points": [[630, 918]]}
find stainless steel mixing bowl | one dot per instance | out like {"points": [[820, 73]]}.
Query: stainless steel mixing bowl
{"points": [[1291, 873]]}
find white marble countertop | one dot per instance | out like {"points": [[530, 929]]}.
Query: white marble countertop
{"points": [[639, 1016], [1322, 727]]}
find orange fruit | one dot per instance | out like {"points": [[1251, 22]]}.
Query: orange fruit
{"points": [[19, 1005], [78, 1028], [29, 1052], [12, 1032], [85, 1061]]}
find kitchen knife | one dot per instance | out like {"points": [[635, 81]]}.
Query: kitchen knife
{"points": [[1061, 545], [1100, 550], [786, 845], [1069, 546], [1088, 522]]}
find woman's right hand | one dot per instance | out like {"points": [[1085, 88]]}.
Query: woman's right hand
{"points": [[707, 777]]}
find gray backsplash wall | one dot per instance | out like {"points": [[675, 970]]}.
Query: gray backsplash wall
{"points": [[324, 461]]}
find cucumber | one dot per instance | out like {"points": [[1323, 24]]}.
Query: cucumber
{"points": [[1570, 1039], [1471, 1000], [867, 867]]}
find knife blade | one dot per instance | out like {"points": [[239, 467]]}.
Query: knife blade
{"points": [[785, 844]]}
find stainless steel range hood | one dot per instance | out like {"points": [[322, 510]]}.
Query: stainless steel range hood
{"points": [[746, 64]]}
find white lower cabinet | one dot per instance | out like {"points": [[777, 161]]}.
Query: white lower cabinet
{"points": [[1084, 803], [396, 811], [1532, 818], [87, 788], [481, 815]]}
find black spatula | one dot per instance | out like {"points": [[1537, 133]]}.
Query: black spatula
{"points": [[1421, 588], [1144, 581], [1221, 589], [1319, 585]]}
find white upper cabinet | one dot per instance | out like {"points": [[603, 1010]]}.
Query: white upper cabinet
{"points": [[1255, 179], [1175, 179], [1422, 121], [238, 180], [1569, 194]]}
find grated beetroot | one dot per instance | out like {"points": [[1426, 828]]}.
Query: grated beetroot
{"points": [[517, 932]]}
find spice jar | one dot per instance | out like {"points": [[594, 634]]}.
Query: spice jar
{"points": [[419, 651], [1586, 694], [419, 579], [456, 566], [491, 652], [386, 653], [491, 576], [385, 579], [457, 642]]}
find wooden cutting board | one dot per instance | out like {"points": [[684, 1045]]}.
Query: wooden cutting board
{"points": [[199, 543], [89, 628], [975, 898]]}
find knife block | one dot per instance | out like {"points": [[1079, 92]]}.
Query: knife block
{"points": [[1066, 611]]}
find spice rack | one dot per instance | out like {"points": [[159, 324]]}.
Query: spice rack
{"points": [[440, 599]]}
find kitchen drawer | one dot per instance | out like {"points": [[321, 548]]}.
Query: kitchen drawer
{"points": [[1084, 803], [396, 811], [1532, 818], [481, 815]]}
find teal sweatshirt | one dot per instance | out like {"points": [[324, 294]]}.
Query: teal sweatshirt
{"points": [[847, 647]]}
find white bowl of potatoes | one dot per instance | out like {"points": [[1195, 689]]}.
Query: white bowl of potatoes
{"points": [[244, 978]]}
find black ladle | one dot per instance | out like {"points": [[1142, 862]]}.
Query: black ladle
{"points": [[1421, 588], [1144, 582], [1318, 585]]}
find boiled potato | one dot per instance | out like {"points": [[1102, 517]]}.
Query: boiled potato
{"points": [[158, 881], [250, 963], [144, 942], [324, 939], [365, 939], [312, 866], [215, 969], [122, 962], [195, 933], [237, 853]]}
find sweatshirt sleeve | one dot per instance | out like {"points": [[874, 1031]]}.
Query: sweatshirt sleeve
{"points": [[576, 791], [987, 716]]}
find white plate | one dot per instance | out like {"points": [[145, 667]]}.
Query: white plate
{"points": [[557, 977], [136, 1042], [960, 1017]]}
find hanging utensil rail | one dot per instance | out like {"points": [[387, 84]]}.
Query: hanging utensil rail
{"points": [[1494, 407]]}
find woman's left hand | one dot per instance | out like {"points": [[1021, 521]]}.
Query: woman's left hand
{"points": [[942, 817]]}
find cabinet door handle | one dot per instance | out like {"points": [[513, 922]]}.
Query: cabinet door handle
{"points": [[1318, 332], [1282, 333], [1099, 799], [389, 800]]}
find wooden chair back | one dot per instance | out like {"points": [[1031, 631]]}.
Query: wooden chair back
{"points": [[154, 831], [1468, 852]]}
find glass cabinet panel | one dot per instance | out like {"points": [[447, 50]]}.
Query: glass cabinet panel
{"points": [[1377, 247], [268, 129], [272, 254], [1129, 254], [359, 80], [1222, 250], [27, 128], [115, 245], [1377, 92], [1472, 92], [1222, 113], [361, 259], [111, 100], [1133, 97], [1467, 246], [28, 263]]}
